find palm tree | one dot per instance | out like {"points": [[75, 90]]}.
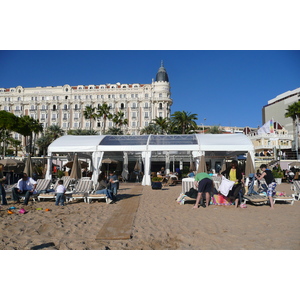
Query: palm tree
{"points": [[54, 131], [26, 127], [151, 129], [82, 132], [293, 111], [163, 123], [103, 112], [5, 137], [114, 131], [184, 121], [215, 129], [16, 144], [89, 113], [119, 119], [43, 143]]}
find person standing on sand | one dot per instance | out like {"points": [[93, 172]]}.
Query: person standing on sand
{"points": [[233, 173], [2, 190], [60, 193], [269, 178], [205, 185]]}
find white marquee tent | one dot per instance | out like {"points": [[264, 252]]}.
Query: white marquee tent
{"points": [[148, 147]]}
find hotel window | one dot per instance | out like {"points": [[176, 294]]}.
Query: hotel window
{"points": [[133, 124], [146, 96], [43, 98], [160, 115], [65, 125], [146, 123], [133, 105], [160, 95], [65, 107], [87, 124], [65, 116], [146, 114], [75, 97], [76, 107], [146, 104], [19, 98], [122, 106], [76, 125], [54, 107], [133, 115], [43, 117]]}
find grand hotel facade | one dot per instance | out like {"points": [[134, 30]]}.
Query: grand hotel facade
{"points": [[64, 105]]}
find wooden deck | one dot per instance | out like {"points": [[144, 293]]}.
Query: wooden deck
{"points": [[119, 225]]}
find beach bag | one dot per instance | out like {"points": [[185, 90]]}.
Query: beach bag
{"points": [[219, 199], [192, 193]]}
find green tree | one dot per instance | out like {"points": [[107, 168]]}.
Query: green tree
{"points": [[119, 119], [114, 131], [82, 132], [16, 144], [184, 122], [214, 129], [293, 111], [5, 137], [89, 113], [103, 112], [163, 124], [26, 127], [43, 143], [54, 131], [151, 129]]}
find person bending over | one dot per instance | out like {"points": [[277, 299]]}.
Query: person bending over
{"points": [[205, 185]]}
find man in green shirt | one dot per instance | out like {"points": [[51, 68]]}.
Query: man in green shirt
{"points": [[205, 185]]}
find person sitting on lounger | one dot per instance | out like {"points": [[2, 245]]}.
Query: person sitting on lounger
{"points": [[25, 187], [102, 187]]}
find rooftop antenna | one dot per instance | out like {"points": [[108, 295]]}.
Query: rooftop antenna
{"points": [[162, 63]]}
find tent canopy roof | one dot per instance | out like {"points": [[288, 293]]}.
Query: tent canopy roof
{"points": [[238, 143]]}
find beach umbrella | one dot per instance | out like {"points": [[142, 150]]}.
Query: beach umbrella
{"points": [[249, 165], [28, 166], [109, 161], [76, 168], [137, 166], [125, 171], [192, 166], [202, 165], [10, 164], [223, 167], [83, 164]]}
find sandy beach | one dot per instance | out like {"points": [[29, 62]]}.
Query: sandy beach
{"points": [[160, 223]]}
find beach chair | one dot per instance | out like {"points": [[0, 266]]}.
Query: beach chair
{"points": [[41, 186], [94, 196], [52, 195], [82, 189]]}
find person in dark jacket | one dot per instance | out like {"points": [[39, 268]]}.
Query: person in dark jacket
{"points": [[234, 173], [269, 178]]}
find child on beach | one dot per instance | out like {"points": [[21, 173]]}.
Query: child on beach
{"points": [[60, 193]]}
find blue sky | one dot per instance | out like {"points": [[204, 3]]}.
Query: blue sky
{"points": [[227, 88]]}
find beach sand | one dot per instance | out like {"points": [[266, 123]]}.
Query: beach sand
{"points": [[160, 223]]}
